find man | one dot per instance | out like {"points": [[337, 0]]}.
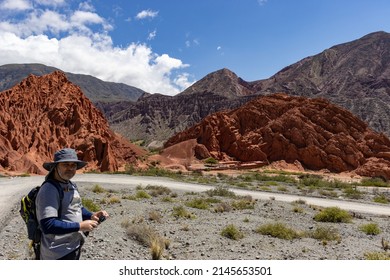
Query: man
{"points": [[61, 216]]}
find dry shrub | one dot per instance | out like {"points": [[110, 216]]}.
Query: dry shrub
{"points": [[155, 216], [223, 207], [147, 236]]}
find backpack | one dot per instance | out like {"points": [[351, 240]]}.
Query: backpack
{"points": [[29, 215]]}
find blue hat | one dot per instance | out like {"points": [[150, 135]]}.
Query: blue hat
{"points": [[64, 155]]}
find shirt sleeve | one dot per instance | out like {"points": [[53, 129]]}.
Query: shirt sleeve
{"points": [[86, 213], [56, 226], [47, 202]]}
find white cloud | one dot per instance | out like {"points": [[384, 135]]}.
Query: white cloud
{"points": [[146, 14], [53, 3], [262, 2], [182, 80], [190, 43], [82, 19], [19, 5], [79, 42], [135, 65], [152, 35]]}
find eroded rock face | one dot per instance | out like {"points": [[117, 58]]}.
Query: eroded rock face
{"points": [[314, 132], [44, 114]]}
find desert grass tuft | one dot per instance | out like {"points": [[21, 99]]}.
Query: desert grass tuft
{"points": [[279, 230], [333, 215], [325, 234], [147, 236], [381, 199], [243, 202], [232, 232], [376, 256], [98, 189], [221, 191], [155, 216], [90, 205], [182, 212], [142, 194], [157, 190], [370, 229]]}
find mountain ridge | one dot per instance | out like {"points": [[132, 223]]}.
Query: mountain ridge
{"points": [[94, 88]]}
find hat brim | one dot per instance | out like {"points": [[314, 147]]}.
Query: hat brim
{"points": [[50, 165]]}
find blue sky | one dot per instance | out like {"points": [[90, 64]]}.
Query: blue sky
{"points": [[165, 46]]}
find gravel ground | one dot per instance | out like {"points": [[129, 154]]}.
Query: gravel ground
{"points": [[126, 234]]}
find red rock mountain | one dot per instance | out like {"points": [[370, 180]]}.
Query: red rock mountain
{"points": [[314, 132], [44, 114]]}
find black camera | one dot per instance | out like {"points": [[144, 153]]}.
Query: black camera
{"points": [[102, 219]]}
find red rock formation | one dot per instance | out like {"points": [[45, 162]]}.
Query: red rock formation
{"points": [[44, 114], [314, 132]]}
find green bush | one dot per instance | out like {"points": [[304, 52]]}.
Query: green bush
{"points": [[376, 256], [243, 203], [220, 191], [353, 193], [232, 232], [142, 194], [198, 203], [181, 212], [376, 182], [211, 160], [278, 230], [90, 205], [381, 199], [333, 215], [370, 229], [325, 234]]}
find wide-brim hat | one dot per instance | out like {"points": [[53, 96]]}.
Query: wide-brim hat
{"points": [[64, 155]]}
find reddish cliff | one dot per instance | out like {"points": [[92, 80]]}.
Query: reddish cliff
{"points": [[44, 114], [314, 132]]}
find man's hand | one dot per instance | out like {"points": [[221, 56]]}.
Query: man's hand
{"points": [[99, 216], [88, 225]]}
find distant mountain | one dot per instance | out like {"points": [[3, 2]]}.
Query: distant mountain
{"points": [[354, 75], [95, 89], [314, 132], [41, 115], [222, 82]]}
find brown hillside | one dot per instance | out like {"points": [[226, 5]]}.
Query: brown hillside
{"points": [[44, 114], [314, 132]]}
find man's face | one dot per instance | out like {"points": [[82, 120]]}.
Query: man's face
{"points": [[67, 169]]}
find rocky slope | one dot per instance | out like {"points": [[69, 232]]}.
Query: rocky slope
{"points": [[354, 75], [222, 82], [313, 132], [43, 114]]}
